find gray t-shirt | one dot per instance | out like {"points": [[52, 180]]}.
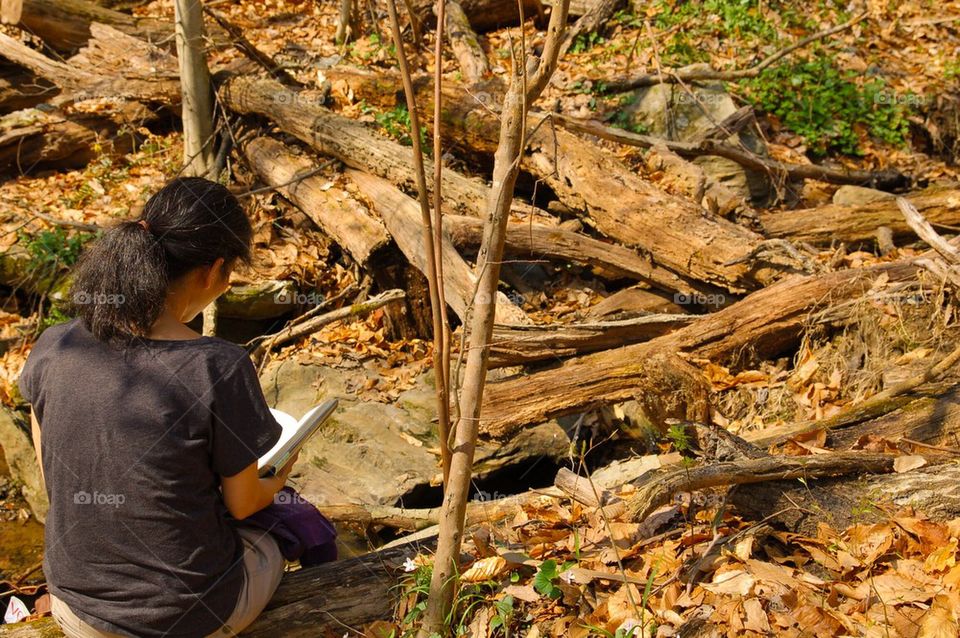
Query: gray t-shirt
{"points": [[134, 442]]}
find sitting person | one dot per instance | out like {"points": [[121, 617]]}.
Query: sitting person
{"points": [[148, 433]]}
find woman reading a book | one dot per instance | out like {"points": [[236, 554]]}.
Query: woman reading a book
{"points": [[148, 433]]}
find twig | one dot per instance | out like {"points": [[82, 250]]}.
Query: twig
{"points": [[250, 50], [925, 231]]}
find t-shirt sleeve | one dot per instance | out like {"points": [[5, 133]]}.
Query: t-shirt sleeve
{"points": [[243, 428]]}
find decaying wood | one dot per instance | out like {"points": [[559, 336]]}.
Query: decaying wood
{"points": [[67, 138], [539, 241], [660, 488], [463, 40], [919, 224], [343, 220], [635, 301], [21, 89], [858, 225], [605, 192], [763, 324], [931, 491], [401, 216], [516, 345], [484, 15], [354, 143], [65, 24]]}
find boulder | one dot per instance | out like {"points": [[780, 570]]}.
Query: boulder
{"points": [[385, 453], [21, 458], [675, 112]]}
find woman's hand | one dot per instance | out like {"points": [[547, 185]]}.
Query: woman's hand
{"points": [[245, 493]]}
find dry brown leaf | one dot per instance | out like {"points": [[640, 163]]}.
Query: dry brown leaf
{"points": [[909, 462]]}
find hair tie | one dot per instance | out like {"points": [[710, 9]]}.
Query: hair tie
{"points": [[142, 223]]}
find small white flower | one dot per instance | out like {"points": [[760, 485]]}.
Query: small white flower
{"points": [[568, 577], [409, 565]]}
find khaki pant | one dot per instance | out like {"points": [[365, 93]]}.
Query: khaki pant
{"points": [[262, 564]]}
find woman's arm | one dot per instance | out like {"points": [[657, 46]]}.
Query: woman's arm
{"points": [[245, 493], [35, 432]]}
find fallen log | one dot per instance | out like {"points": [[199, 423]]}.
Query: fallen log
{"points": [[659, 488], [401, 216], [930, 491], [345, 221], [354, 143], [463, 40], [606, 193], [857, 225], [310, 602], [763, 324], [67, 138], [541, 241], [65, 24], [520, 345], [484, 15], [21, 89]]}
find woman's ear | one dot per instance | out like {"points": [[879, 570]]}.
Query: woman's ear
{"points": [[215, 274]]}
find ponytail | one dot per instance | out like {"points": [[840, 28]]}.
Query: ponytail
{"points": [[120, 284]]}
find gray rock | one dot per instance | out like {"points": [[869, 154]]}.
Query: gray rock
{"points": [[379, 453], [670, 112], [859, 195], [22, 459]]}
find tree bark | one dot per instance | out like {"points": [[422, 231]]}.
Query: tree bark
{"points": [[635, 301], [21, 89], [354, 143], [197, 112], [32, 139], [520, 345], [931, 491], [345, 221], [541, 241], [484, 15], [857, 225], [761, 325], [65, 24], [463, 40], [401, 216]]}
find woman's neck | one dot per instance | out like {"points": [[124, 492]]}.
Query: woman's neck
{"points": [[168, 327]]}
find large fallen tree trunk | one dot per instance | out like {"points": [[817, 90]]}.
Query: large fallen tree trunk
{"points": [[830, 223], [763, 324], [354, 143], [484, 15], [344, 221], [675, 232], [21, 89], [517, 345], [65, 24], [31, 138], [539, 241], [401, 216]]}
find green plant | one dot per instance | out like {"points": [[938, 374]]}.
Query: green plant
{"points": [[504, 611], [585, 42], [396, 124], [52, 250], [828, 106], [727, 18]]}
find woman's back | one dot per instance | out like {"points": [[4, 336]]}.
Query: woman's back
{"points": [[134, 438]]}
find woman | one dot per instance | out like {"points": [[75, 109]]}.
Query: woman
{"points": [[148, 433]]}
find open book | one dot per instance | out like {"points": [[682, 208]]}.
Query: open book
{"points": [[294, 435]]}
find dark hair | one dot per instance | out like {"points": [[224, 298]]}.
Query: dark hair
{"points": [[120, 284]]}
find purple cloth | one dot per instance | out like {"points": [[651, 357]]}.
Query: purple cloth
{"points": [[299, 528]]}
